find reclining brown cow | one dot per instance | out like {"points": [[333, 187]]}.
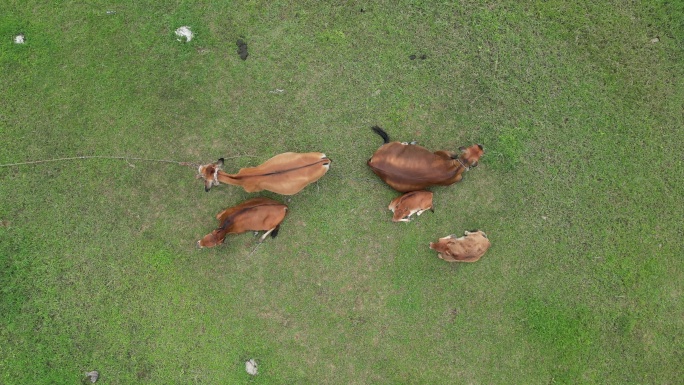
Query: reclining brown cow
{"points": [[409, 167], [256, 214], [468, 248], [414, 202], [286, 174]]}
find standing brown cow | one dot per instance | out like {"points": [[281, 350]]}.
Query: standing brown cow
{"points": [[286, 173], [256, 214]]}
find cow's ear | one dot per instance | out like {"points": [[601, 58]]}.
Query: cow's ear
{"points": [[462, 149], [220, 162]]}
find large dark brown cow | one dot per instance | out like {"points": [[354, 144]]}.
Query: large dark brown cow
{"points": [[256, 214], [286, 174], [409, 167]]}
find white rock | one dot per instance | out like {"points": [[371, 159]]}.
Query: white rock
{"points": [[251, 367], [20, 39], [184, 33], [93, 376]]}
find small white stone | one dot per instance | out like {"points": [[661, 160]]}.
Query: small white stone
{"points": [[20, 39], [655, 39], [184, 33], [251, 367], [93, 376]]}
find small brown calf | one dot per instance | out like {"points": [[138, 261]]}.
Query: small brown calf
{"points": [[468, 248], [414, 202], [256, 214]]}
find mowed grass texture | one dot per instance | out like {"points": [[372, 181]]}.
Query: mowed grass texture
{"points": [[579, 108]]}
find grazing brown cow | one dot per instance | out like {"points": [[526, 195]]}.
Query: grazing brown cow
{"points": [[256, 214], [286, 174], [414, 202], [468, 248], [409, 167]]}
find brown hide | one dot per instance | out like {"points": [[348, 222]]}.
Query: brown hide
{"points": [[286, 173], [407, 167], [256, 214], [414, 202], [468, 248]]}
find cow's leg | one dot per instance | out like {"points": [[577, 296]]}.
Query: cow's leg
{"points": [[432, 209], [273, 232], [265, 235]]}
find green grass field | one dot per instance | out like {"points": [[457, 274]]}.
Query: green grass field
{"points": [[579, 107]]}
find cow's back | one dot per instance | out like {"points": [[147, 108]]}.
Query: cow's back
{"points": [[259, 218], [410, 167], [286, 173]]}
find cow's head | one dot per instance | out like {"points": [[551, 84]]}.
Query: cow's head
{"points": [[471, 155], [209, 172], [212, 239]]}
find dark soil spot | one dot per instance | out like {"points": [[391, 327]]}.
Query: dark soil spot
{"points": [[414, 57], [142, 374], [453, 314], [242, 49]]}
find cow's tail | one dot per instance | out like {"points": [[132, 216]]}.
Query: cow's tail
{"points": [[382, 133]]}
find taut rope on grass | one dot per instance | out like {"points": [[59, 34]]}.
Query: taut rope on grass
{"points": [[188, 164], [254, 249], [127, 158]]}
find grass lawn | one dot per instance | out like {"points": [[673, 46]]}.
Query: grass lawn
{"points": [[579, 107]]}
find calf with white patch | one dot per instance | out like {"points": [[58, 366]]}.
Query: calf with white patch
{"points": [[468, 248], [414, 202]]}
